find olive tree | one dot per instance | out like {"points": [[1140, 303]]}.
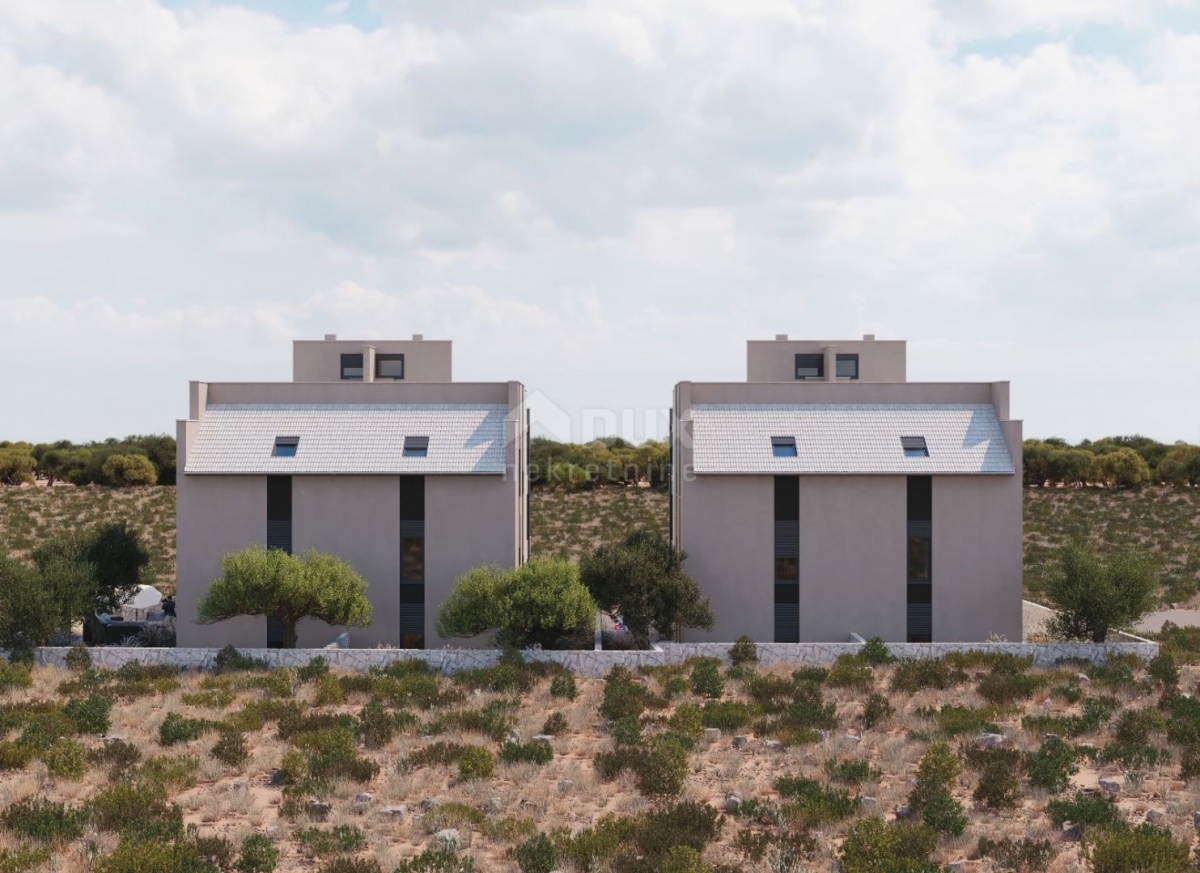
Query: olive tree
{"points": [[116, 555], [642, 579], [538, 602], [125, 470], [37, 602], [271, 582], [1094, 596]]}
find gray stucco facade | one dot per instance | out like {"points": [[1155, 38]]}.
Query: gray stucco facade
{"points": [[473, 483], [858, 540]]}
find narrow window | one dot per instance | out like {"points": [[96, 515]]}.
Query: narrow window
{"points": [[783, 446], [416, 446], [412, 562], [847, 366], [787, 559], [279, 536], [920, 559], [352, 366], [285, 446], [914, 447], [389, 366], [810, 366]]}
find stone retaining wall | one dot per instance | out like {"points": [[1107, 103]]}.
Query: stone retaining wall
{"points": [[592, 663]]}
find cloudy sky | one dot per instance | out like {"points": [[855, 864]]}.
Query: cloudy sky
{"points": [[600, 198]]}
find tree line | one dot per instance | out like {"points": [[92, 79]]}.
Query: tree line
{"points": [[134, 460], [607, 461], [1113, 462]]}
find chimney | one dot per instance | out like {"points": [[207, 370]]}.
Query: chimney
{"points": [[330, 337], [417, 337], [868, 337], [780, 337]]}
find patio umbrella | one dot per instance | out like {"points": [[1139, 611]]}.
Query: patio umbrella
{"points": [[147, 597]]}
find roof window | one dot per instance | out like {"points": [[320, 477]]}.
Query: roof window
{"points": [[783, 446], [285, 446], [914, 447], [416, 446]]}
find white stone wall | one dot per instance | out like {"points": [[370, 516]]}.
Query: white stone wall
{"points": [[592, 663]]}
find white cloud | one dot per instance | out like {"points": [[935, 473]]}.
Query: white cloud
{"points": [[604, 197]]}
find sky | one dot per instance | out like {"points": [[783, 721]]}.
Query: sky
{"points": [[600, 198]]}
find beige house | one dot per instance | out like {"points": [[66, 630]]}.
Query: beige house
{"points": [[828, 496], [372, 454]]}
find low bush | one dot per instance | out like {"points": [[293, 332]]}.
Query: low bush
{"points": [[1163, 670], [137, 810], [1085, 811], [1148, 848], [792, 849], [688, 719], [475, 763], [1026, 854], [916, 674], [175, 729], [231, 749], [66, 758], [744, 651], [813, 803], [359, 865], [171, 772], [318, 842], [1051, 766], [536, 855], [430, 861], [315, 669], [258, 855], [45, 821], [15, 675], [876, 711], [526, 753], [332, 753], [852, 771], [563, 686], [954, 719], [555, 724], [329, 691], [873, 845], [850, 671], [999, 786], [875, 652], [119, 756], [660, 767], [508, 829], [706, 679], [376, 726], [944, 814], [79, 658], [728, 715], [937, 773], [229, 660]]}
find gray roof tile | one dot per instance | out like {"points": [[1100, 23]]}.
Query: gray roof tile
{"points": [[349, 438], [833, 438]]}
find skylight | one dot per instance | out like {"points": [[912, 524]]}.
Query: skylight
{"points": [[914, 447], [416, 446], [783, 446], [285, 446]]}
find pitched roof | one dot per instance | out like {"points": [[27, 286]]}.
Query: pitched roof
{"points": [[862, 439], [349, 438]]}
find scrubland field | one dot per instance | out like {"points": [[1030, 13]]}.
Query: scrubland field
{"points": [[568, 523], [697, 767]]}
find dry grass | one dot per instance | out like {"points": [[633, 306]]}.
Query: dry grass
{"points": [[234, 802]]}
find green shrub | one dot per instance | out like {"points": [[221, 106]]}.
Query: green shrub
{"points": [[1088, 812], [357, 865], [152, 856], [706, 679], [661, 768], [555, 724], [876, 710], [1025, 854], [937, 772], [376, 726], [813, 803], [688, 720], [623, 696], [332, 753], [177, 729], [430, 861], [1134, 755], [474, 763], [1135, 726], [563, 685], [120, 757], [810, 673], [1096, 712], [137, 810], [45, 821], [852, 771], [1163, 670], [536, 855], [743, 651], [916, 674], [686, 823], [329, 691], [1147, 848], [953, 719], [316, 668], [79, 658], [23, 859], [875, 846], [1051, 766], [214, 699], [171, 772], [627, 731], [526, 753], [320, 843], [65, 758], [231, 749], [229, 660], [1003, 686], [998, 786], [944, 814], [1069, 693], [728, 715], [875, 652], [792, 849], [850, 671], [258, 855]]}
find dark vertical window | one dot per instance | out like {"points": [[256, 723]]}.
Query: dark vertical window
{"points": [[352, 366], [787, 559], [920, 559], [412, 562], [279, 536], [389, 366]]}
